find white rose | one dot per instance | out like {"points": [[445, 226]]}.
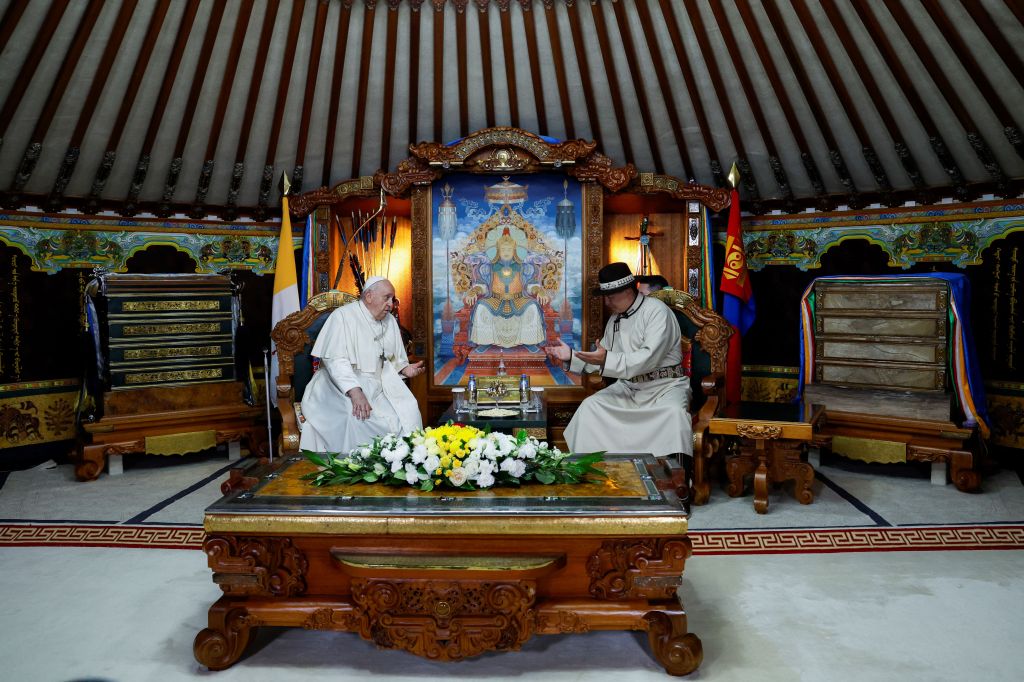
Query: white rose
{"points": [[513, 467], [472, 465], [413, 475], [396, 465], [431, 462], [527, 450], [484, 480], [402, 448], [419, 454], [364, 452], [458, 476]]}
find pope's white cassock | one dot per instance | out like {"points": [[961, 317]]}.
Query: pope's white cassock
{"points": [[357, 350], [646, 410]]}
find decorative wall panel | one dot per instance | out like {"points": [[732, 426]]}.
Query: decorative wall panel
{"points": [[54, 242], [956, 234]]}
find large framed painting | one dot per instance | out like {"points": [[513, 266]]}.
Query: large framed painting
{"points": [[506, 274]]}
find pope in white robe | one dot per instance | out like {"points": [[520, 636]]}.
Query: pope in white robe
{"points": [[358, 392], [647, 409]]}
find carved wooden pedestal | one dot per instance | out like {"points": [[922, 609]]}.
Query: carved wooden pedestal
{"points": [[213, 412], [916, 440], [771, 461], [445, 587], [771, 449]]}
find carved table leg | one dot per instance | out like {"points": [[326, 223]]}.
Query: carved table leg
{"points": [[679, 651], [736, 469], [962, 471], [804, 477], [221, 645], [786, 464], [701, 489], [91, 460], [259, 444], [761, 480]]}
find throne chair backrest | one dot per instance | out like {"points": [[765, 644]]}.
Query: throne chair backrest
{"points": [[295, 336], [707, 335]]}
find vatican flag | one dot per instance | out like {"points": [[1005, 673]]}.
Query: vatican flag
{"points": [[286, 288]]}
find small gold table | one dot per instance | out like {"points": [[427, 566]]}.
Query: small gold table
{"points": [[774, 436]]}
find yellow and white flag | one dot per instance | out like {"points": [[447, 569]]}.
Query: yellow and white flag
{"points": [[286, 289]]}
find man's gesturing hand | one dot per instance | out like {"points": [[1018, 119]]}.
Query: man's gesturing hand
{"points": [[558, 351]]}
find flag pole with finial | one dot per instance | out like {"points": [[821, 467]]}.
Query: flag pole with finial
{"points": [[737, 293]]}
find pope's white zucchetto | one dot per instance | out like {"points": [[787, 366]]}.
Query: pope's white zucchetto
{"points": [[373, 281]]}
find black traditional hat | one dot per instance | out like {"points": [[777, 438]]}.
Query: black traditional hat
{"points": [[612, 278]]}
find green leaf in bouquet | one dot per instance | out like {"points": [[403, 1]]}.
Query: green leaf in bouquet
{"points": [[570, 477], [544, 476], [427, 485], [370, 477], [315, 458]]}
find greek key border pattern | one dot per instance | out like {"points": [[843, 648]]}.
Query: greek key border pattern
{"points": [[67, 535], [809, 541], [815, 541]]}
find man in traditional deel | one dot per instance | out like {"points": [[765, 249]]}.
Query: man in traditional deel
{"points": [[647, 409]]}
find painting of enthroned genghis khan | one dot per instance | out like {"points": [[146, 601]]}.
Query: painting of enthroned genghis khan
{"points": [[506, 274]]}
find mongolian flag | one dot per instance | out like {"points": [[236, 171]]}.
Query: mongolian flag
{"points": [[286, 287], [737, 298]]}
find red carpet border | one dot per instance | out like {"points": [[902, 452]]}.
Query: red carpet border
{"points": [[711, 542]]}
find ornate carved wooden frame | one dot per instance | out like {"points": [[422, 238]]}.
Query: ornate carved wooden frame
{"points": [[504, 151]]}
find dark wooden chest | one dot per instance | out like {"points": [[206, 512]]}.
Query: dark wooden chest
{"points": [[167, 330]]}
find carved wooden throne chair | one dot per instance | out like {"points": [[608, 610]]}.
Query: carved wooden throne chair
{"points": [[706, 338], [295, 336]]}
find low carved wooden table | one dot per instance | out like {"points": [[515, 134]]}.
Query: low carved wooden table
{"points": [[774, 436], [451, 575]]}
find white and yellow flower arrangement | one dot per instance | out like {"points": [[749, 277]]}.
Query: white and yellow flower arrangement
{"points": [[454, 456]]}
